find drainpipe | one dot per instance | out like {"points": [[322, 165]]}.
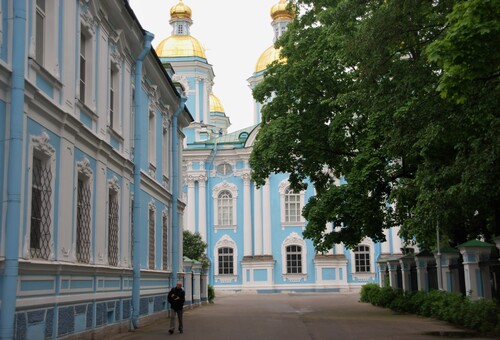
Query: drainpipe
{"points": [[14, 173], [139, 136], [176, 232]]}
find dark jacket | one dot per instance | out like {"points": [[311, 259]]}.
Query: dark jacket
{"points": [[176, 298]]}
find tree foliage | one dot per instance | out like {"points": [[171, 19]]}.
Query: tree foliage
{"points": [[370, 93], [194, 247]]}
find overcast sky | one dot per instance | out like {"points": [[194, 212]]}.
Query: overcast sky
{"points": [[234, 34]]}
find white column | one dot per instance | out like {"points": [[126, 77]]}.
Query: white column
{"points": [[190, 205], [202, 227], [247, 218], [258, 222], [196, 98], [386, 247], [266, 209], [329, 229], [67, 246]]}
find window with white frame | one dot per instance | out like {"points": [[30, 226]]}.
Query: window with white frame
{"points": [[85, 75], [151, 243], [165, 149], [294, 259], [113, 221], [40, 23], [165, 240], [225, 200], [113, 118], [225, 208], [294, 254], [226, 255], [152, 138], [132, 121], [132, 229], [42, 165], [83, 212], [291, 204], [226, 261], [362, 259]]}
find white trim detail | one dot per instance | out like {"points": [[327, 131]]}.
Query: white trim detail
{"points": [[226, 242], [283, 186], [294, 239], [233, 189]]}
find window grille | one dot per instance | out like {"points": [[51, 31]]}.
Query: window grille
{"points": [[41, 193], [165, 243], [362, 259], [113, 230], [225, 208], [151, 239], [292, 206], [83, 222], [294, 259], [226, 261]]}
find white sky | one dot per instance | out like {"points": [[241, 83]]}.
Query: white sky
{"points": [[234, 34]]}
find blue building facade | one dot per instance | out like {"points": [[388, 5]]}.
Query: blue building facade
{"points": [[254, 235], [90, 158]]}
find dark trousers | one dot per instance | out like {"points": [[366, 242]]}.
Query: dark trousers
{"points": [[173, 313]]}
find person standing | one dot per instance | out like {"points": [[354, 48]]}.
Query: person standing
{"points": [[176, 298]]}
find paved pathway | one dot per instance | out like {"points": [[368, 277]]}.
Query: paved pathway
{"points": [[295, 317]]}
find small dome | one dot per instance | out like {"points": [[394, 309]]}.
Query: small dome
{"points": [[180, 46], [180, 11], [215, 104], [280, 10], [267, 57]]}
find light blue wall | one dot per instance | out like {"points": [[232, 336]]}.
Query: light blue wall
{"points": [[3, 131], [4, 53]]}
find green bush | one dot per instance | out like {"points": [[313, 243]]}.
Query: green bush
{"points": [[211, 294], [482, 316]]}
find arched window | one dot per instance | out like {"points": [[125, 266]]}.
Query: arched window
{"points": [[362, 259], [225, 208], [293, 258], [224, 196], [291, 204], [226, 260]]}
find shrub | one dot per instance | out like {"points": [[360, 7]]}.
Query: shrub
{"points": [[368, 291], [211, 294]]}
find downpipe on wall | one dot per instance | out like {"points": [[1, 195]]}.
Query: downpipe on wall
{"points": [[14, 173], [139, 123]]}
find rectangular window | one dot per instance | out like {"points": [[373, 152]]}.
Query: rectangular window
{"points": [[132, 230], [40, 31], [362, 259], [165, 153], [41, 193], [151, 239], [83, 219], [294, 259], [152, 138], [226, 261], [292, 206], [113, 210], [225, 207], [83, 66]]}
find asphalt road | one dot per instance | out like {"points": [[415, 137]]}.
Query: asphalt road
{"points": [[298, 317]]}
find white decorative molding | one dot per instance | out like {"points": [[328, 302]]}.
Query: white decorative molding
{"points": [[294, 239], [164, 213], [42, 144], [226, 278], [294, 277], [84, 168], [225, 186], [114, 185], [183, 81], [152, 205], [226, 242]]}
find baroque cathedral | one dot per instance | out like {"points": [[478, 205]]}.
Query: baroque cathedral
{"points": [[253, 235]]}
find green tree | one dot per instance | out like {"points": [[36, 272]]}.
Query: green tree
{"points": [[358, 99], [194, 247]]}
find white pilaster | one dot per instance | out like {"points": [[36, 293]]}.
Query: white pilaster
{"points": [[266, 207], [190, 205], [258, 221], [247, 218], [202, 227], [66, 207]]}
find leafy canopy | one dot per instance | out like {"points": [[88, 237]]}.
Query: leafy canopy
{"points": [[370, 93]]}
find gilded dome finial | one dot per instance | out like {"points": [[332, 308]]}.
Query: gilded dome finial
{"points": [[180, 11], [282, 10]]}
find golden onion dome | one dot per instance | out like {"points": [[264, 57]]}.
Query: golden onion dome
{"points": [[215, 104], [267, 57], [180, 46], [180, 11], [281, 10]]}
